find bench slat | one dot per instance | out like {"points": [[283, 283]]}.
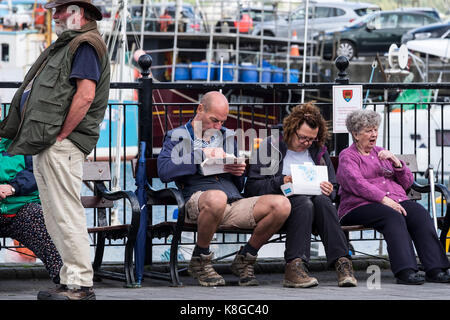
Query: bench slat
{"points": [[96, 202], [108, 228]]}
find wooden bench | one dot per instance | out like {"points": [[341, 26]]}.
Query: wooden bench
{"points": [[172, 196], [96, 175]]}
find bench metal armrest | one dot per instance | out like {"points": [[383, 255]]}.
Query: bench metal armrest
{"points": [[167, 196], [104, 192], [425, 188]]}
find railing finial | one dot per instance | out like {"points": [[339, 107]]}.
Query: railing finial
{"points": [[342, 64], [145, 63]]}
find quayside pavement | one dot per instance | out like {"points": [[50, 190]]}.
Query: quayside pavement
{"points": [[22, 282]]}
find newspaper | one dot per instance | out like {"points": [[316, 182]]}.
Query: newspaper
{"points": [[212, 166]]}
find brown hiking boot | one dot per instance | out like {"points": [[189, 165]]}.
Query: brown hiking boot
{"points": [[201, 269], [344, 270], [296, 276], [243, 267], [62, 292]]}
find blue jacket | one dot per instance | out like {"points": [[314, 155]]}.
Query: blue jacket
{"points": [[24, 182], [179, 142]]}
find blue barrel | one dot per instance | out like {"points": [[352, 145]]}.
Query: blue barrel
{"points": [[266, 75], [277, 74], [248, 73], [293, 76], [199, 71], [182, 72], [227, 72]]}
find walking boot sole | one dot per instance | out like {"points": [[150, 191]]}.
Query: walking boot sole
{"points": [[249, 283], [348, 283], [310, 284], [216, 283]]}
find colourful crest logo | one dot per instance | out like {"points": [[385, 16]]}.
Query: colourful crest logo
{"points": [[347, 94]]}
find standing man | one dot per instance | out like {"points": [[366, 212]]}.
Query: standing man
{"points": [[215, 200], [55, 116]]}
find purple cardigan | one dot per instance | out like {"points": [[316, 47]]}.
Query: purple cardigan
{"points": [[367, 179]]}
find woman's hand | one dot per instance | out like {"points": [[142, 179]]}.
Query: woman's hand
{"points": [[5, 191], [394, 205], [387, 155], [326, 187], [287, 179]]}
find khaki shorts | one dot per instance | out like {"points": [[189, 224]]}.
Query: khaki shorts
{"points": [[238, 214]]}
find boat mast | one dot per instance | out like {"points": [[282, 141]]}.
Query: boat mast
{"points": [[120, 108], [48, 27], [144, 16], [305, 42]]}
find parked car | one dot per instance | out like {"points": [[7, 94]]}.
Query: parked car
{"points": [[373, 33], [161, 17], [434, 30], [245, 18], [322, 16], [430, 11]]}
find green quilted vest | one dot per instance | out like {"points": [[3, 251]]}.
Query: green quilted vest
{"points": [[51, 96]]}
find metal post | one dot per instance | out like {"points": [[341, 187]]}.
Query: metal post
{"points": [[430, 175], [145, 129], [341, 139], [145, 115]]}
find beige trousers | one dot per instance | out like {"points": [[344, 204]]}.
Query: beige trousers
{"points": [[59, 175]]}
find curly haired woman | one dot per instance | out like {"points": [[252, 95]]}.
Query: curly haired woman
{"points": [[302, 140]]}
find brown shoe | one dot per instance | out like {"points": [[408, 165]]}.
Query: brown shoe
{"points": [[296, 276], [62, 292], [344, 270], [201, 269], [244, 268]]}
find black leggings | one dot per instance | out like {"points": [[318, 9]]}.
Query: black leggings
{"points": [[313, 214], [400, 232], [28, 227]]}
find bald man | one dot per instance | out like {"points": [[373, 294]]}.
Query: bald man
{"points": [[215, 200]]}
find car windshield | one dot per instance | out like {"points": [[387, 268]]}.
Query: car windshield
{"points": [[363, 11], [257, 14], [361, 21]]}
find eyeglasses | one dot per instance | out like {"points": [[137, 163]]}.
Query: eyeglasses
{"points": [[302, 138]]}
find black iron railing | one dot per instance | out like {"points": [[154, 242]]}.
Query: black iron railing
{"points": [[408, 127]]}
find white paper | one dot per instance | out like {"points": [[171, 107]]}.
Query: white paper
{"points": [[212, 166], [306, 179], [346, 99]]}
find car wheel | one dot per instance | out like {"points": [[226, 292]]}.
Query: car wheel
{"points": [[347, 49]]}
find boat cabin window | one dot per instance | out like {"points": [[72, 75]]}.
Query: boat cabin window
{"points": [[5, 52]]}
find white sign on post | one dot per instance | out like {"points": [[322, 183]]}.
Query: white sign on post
{"points": [[346, 99]]}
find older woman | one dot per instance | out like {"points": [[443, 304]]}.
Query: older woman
{"points": [[373, 183], [305, 133]]}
